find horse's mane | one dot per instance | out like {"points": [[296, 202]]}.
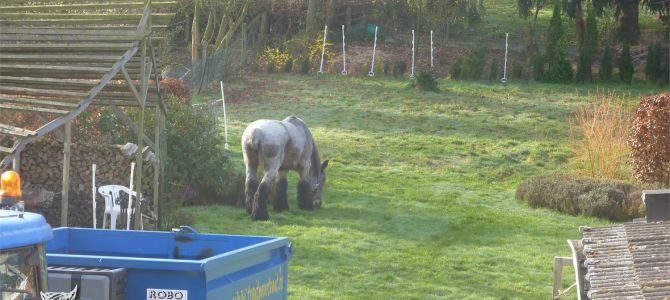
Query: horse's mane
{"points": [[315, 158]]}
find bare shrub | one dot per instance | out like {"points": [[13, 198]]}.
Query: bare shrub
{"points": [[600, 133]]}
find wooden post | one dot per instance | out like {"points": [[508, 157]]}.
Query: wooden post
{"points": [[159, 159], [244, 43], [559, 262], [163, 159], [66, 174], [16, 163], [139, 155]]}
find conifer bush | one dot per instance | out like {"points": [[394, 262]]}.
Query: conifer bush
{"points": [[605, 72], [626, 65]]}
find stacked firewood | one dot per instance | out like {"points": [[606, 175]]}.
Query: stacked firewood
{"points": [[42, 173]]}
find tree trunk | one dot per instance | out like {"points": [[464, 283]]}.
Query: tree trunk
{"points": [[263, 30], [629, 26], [330, 12], [348, 17], [312, 7], [195, 35], [579, 25]]}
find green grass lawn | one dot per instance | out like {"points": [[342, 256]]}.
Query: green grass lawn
{"points": [[419, 202]]}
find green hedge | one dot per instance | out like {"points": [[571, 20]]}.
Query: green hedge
{"points": [[615, 200]]}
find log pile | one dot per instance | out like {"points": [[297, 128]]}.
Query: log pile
{"points": [[42, 170]]}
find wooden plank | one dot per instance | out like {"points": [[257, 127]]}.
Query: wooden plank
{"points": [[10, 90], [51, 47], [132, 86], [109, 28], [88, 6], [80, 20], [15, 131], [157, 81], [63, 84], [98, 31], [66, 174], [45, 129], [60, 58], [56, 72], [133, 17], [77, 38], [39, 102], [45, 2], [70, 71], [33, 108]]}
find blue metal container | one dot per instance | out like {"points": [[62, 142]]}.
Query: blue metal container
{"points": [[180, 265], [20, 229]]}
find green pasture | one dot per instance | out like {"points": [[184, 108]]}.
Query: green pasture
{"points": [[419, 201]]}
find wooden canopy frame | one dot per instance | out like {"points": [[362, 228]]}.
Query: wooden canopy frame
{"points": [[57, 58]]}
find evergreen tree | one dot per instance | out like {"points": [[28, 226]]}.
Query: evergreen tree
{"points": [[651, 71], [591, 35], [589, 48], [555, 38], [626, 65], [605, 72], [559, 68], [584, 67]]}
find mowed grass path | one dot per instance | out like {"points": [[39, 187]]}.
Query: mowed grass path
{"points": [[419, 202]]}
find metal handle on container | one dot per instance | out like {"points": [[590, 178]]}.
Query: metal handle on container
{"points": [[183, 229]]}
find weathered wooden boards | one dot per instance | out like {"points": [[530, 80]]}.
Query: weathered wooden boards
{"points": [[59, 57], [629, 261]]}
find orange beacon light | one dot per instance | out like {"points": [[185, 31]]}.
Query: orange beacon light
{"points": [[10, 187]]}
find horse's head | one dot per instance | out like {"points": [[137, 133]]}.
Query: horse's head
{"points": [[317, 186]]}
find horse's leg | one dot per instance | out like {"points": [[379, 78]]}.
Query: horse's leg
{"points": [[259, 209], [251, 184], [281, 197], [304, 191]]}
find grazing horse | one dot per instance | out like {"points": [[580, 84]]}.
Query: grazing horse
{"points": [[280, 146]]}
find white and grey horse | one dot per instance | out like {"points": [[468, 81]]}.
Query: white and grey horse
{"points": [[280, 146]]}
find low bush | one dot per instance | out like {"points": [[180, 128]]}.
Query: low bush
{"points": [[475, 62], [198, 169], [386, 69], [559, 69], [456, 69], [538, 67], [427, 81], [288, 66], [493, 70], [615, 200], [650, 140], [399, 68], [517, 70], [304, 66]]}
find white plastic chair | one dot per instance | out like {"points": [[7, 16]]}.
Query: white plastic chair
{"points": [[113, 202]]}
